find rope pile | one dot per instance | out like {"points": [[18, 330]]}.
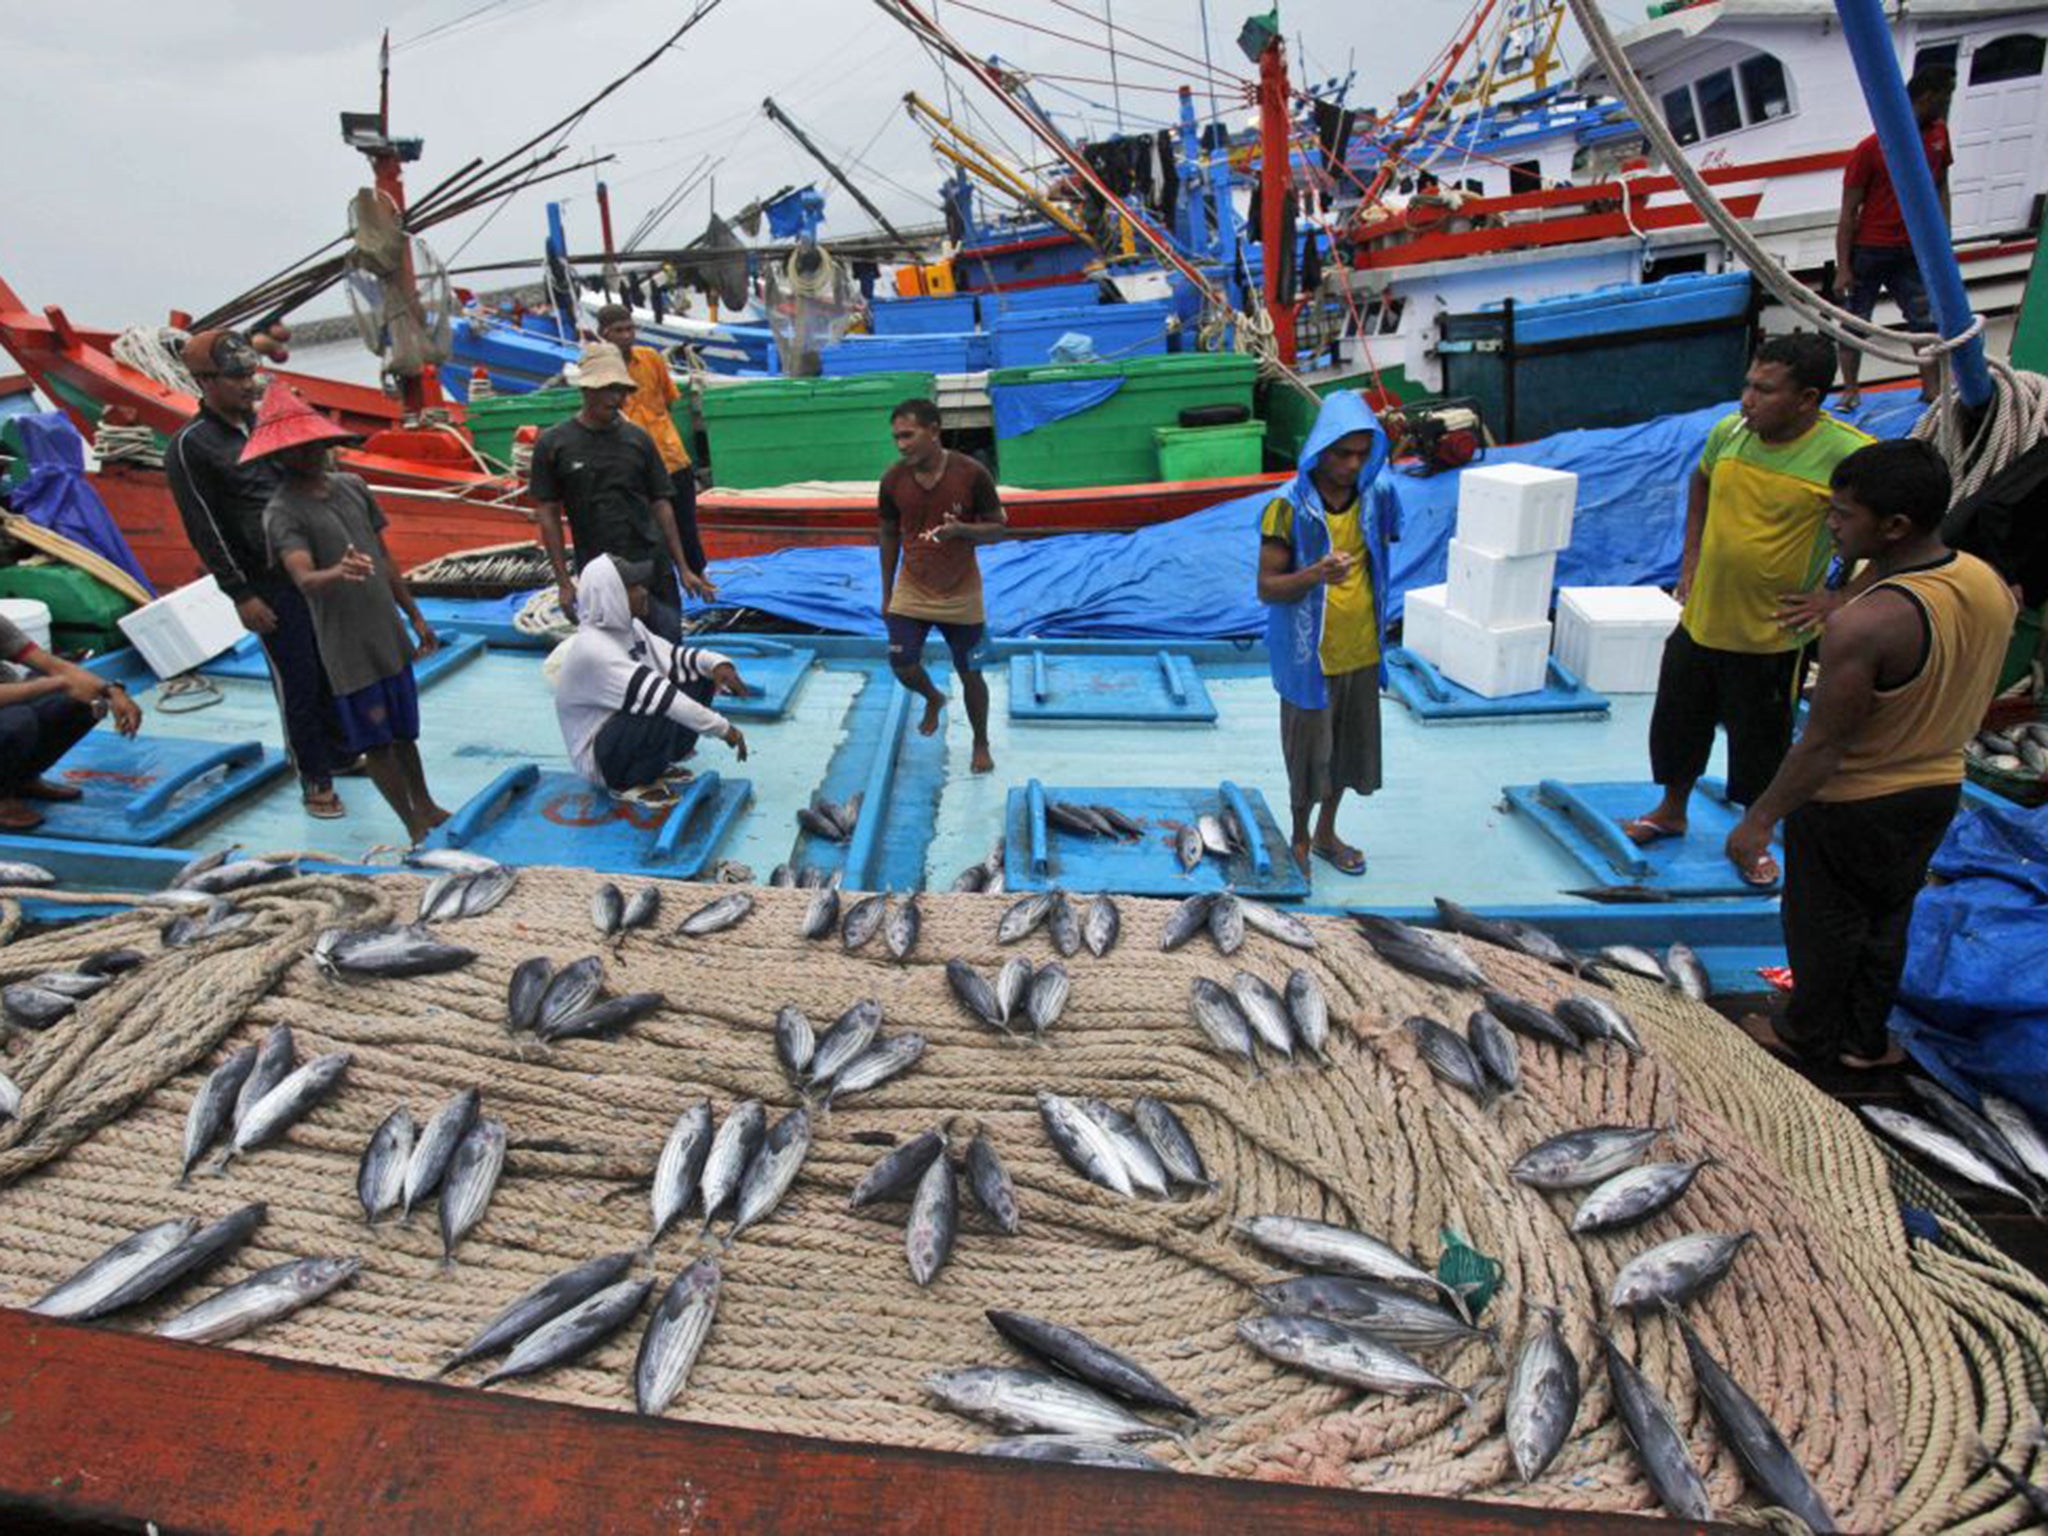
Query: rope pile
{"points": [[1883, 1360]]}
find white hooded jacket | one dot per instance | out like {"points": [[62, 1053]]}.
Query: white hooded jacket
{"points": [[614, 664]]}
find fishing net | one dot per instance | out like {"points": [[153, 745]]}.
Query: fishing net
{"points": [[1883, 1358]]}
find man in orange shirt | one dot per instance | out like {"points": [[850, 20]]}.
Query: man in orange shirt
{"points": [[654, 391]]}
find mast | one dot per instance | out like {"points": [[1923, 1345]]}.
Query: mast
{"points": [[1869, 37], [777, 116], [1276, 185], [418, 392]]}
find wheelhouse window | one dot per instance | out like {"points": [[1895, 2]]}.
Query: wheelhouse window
{"points": [[1729, 100], [1679, 116], [1764, 94], [2016, 56]]}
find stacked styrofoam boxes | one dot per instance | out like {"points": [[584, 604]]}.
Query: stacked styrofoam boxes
{"points": [[1422, 623], [1512, 521], [1613, 638]]}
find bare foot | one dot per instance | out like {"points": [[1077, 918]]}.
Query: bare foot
{"points": [[1848, 399], [929, 725], [1301, 853], [435, 816], [983, 760]]}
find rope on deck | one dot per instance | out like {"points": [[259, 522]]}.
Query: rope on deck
{"points": [[1883, 1359]]}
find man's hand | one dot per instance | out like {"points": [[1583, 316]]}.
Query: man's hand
{"points": [[1332, 568], [950, 528], [429, 642], [735, 740], [83, 686], [127, 713], [565, 592], [727, 677], [1801, 611], [1682, 588], [354, 565], [699, 587], [256, 616]]}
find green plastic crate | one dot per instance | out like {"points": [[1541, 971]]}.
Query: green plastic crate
{"points": [[1111, 444], [83, 610], [779, 431], [1210, 453], [496, 420]]}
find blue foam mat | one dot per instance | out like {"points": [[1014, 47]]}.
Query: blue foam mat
{"points": [[151, 789], [525, 816], [772, 671], [1164, 686], [1433, 698], [1585, 820], [1038, 855], [247, 660]]}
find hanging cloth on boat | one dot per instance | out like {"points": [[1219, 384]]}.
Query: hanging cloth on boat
{"points": [[1169, 177], [55, 494], [1021, 409]]}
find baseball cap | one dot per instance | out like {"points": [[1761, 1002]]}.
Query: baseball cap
{"points": [[223, 352]]}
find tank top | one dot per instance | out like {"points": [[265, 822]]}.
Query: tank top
{"points": [[1914, 735]]}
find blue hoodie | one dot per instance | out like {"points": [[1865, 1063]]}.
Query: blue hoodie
{"points": [[1294, 631]]}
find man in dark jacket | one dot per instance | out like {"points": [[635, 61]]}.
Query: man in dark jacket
{"points": [[221, 500]]}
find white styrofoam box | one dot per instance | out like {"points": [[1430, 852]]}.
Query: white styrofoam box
{"points": [[1516, 509], [1500, 591], [1422, 623], [1494, 663], [1612, 638], [31, 616], [182, 629]]}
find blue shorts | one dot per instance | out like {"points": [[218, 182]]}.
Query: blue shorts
{"points": [[380, 714], [907, 636], [1875, 269]]}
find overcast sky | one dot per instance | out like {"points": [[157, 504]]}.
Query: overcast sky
{"points": [[173, 152]]}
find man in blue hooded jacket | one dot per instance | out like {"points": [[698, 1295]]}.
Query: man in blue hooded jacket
{"points": [[1322, 576]]}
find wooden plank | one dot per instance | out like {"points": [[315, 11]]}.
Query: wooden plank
{"points": [[104, 1430]]}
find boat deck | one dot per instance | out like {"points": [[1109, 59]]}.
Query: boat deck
{"points": [[1440, 826]]}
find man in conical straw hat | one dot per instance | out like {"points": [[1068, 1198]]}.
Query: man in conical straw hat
{"points": [[325, 530]]}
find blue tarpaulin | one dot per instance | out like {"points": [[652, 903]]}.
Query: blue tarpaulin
{"points": [[1194, 577], [1022, 408], [56, 494], [1973, 1003]]}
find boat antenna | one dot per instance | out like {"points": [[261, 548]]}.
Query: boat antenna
{"points": [[1116, 90], [782, 120]]}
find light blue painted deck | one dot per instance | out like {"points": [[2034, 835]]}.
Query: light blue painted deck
{"points": [[1438, 827]]}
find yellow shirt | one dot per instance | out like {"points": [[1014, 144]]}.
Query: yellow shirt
{"points": [[1766, 532], [1351, 632], [648, 408]]}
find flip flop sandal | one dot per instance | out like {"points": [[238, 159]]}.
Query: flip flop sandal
{"points": [[1761, 874], [48, 790], [1347, 862], [324, 807], [20, 821], [654, 796], [1645, 830]]}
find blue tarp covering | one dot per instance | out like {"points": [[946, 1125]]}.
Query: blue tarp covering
{"points": [[1022, 408], [1194, 578], [56, 494], [1973, 1003]]}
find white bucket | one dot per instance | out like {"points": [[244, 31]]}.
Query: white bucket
{"points": [[30, 617]]}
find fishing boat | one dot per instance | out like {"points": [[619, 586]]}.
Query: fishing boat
{"points": [[1549, 195]]}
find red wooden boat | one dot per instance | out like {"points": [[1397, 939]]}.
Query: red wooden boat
{"points": [[438, 497]]}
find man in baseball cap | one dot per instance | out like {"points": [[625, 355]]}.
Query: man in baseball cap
{"points": [[221, 500], [608, 477]]}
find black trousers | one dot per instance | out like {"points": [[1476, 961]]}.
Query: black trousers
{"points": [[683, 498], [633, 750], [1852, 871], [34, 735], [312, 734], [1699, 688]]}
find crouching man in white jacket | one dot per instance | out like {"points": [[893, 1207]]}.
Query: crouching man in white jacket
{"points": [[630, 704]]}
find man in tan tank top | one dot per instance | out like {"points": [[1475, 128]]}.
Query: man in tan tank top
{"points": [[1867, 792]]}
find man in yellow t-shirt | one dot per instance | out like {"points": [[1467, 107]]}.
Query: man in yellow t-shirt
{"points": [[1756, 548], [654, 392]]}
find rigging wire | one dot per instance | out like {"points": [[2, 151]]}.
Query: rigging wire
{"points": [[467, 21], [1162, 66]]}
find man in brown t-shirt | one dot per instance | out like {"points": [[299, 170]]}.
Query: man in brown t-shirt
{"points": [[935, 506]]}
